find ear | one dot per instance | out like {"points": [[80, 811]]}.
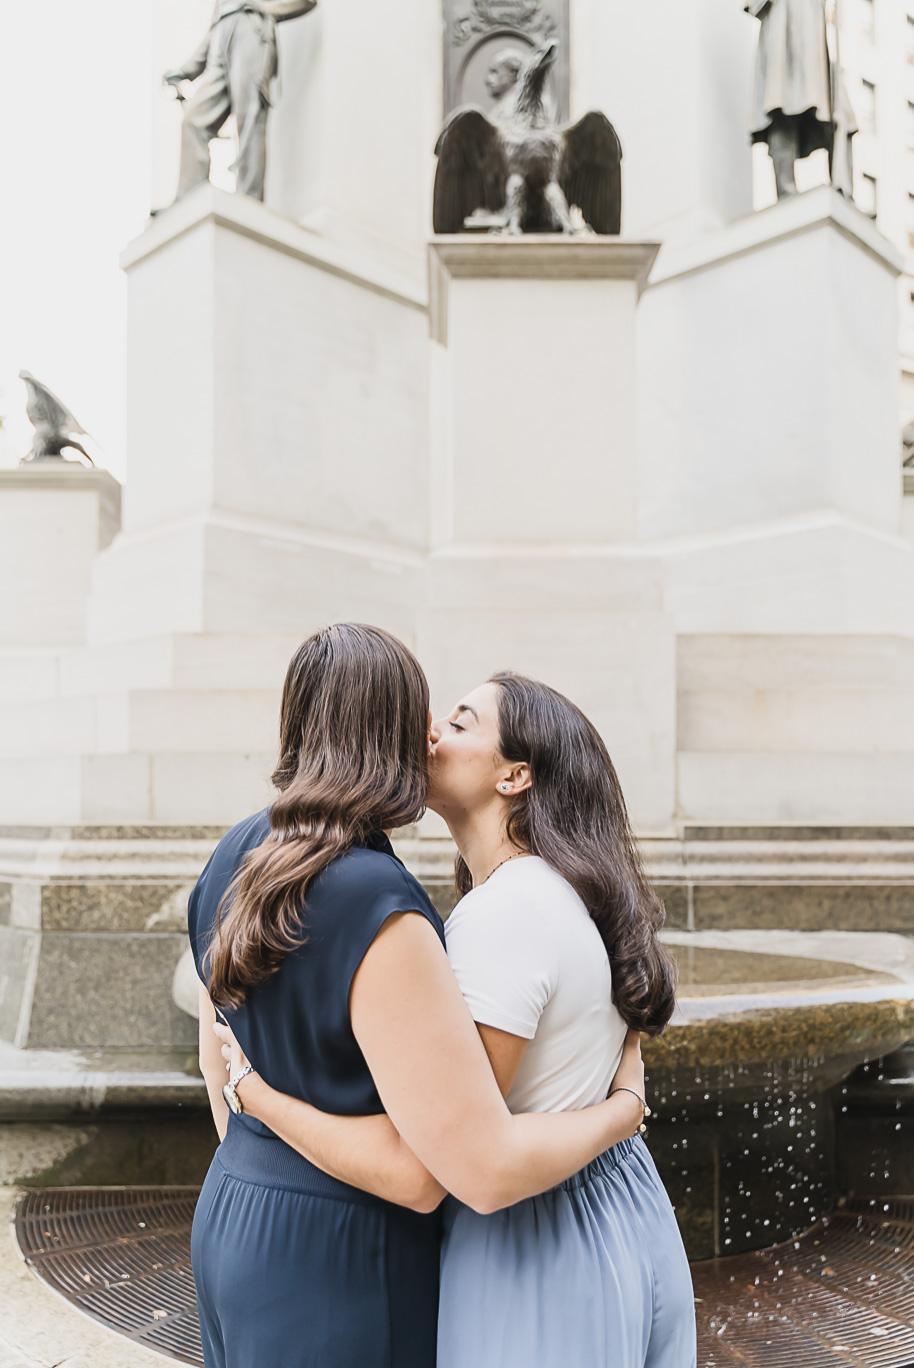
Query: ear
{"points": [[518, 780]]}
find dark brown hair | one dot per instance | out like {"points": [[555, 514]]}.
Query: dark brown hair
{"points": [[574, 817], [354, 760]]}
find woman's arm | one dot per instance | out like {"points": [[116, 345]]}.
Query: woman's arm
{"points": [[505, 1053], [434, 1079], [212, 1065], [367, 1151], [364, 1151]]}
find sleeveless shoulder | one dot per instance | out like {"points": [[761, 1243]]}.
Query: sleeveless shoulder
{"points": [[348, 904], [218, 872], [295, 1025], [356, 893]]}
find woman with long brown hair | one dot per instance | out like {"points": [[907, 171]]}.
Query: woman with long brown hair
{"points": [[554, 945], [328, 960]]}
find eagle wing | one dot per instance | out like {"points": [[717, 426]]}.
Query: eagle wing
{"points": [[472, 169], [46, 411], [591, 172]]}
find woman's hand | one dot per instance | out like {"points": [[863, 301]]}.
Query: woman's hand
{"points": [[232, 1053], [630, 1073]]}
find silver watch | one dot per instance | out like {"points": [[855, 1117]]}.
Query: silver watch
{"points": [[232, 1100]]}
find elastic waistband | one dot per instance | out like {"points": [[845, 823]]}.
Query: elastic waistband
{"points": [[603, 1165], [270, 1162]]}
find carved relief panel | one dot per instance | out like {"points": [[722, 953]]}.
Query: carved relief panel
{"points": [[477, 34]]}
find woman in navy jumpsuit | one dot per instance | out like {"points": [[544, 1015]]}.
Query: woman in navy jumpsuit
{"points": [[293, 1267]]}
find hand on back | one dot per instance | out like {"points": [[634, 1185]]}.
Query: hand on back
{"points": [[630, 1075], [232, 1053]]}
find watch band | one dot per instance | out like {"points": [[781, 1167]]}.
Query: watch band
{"points": [[230, 1093]]}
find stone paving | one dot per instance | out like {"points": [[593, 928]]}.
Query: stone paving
{"points": [[38, 1329]]}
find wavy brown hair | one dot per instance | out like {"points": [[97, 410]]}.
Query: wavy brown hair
{"points": [[354, 760], [574, 817]]}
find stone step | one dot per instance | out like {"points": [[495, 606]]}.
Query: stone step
{"points": [[758, 787], [168, 787], [779, 662], [772, 728], [816, 720], [145, 721], [47, 726], [175, 661], [181, 662], [29, 675], [808, 695]]}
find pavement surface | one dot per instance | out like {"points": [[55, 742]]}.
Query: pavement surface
{"points": [[38, 1329]]}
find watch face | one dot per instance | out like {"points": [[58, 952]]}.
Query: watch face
{"points": [[233, 1102]]}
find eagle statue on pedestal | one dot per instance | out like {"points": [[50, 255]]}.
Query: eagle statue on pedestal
{"points": [[53, 422], [517, 171]]}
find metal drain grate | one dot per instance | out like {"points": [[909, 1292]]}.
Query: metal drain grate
{"points": [[840, 1296], [122, 1255]]}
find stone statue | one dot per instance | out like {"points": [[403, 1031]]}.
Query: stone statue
{"points": [[502, 76], [53, 422], [234, 68], [516, 170], [799, 101], [907, 446]]}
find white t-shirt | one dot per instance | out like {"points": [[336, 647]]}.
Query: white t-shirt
{"points": [[529, 960]]}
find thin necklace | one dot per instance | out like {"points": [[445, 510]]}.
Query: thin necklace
{"points": [[504, 862]]}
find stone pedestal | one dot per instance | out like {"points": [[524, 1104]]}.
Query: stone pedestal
{"points": [[768, 375], [536, 423], [533, 487], [55, 517], [283, 485], [291, 453], [768, 479]]}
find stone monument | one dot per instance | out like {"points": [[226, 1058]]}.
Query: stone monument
{"points": [[234, 68]]}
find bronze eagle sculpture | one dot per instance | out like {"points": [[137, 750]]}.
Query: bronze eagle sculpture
{"points": [[53, 422], [526, 170]]}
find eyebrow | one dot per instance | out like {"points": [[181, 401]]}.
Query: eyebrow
{"points": [[465, 708]]}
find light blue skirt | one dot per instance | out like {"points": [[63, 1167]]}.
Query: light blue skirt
{"points": [[591, 1274]]}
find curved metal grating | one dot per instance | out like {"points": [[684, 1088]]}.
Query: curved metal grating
{"points": [[839, 1296], [122, 1255]]}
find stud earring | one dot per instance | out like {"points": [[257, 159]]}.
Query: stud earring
{"points": [[504, 788]]}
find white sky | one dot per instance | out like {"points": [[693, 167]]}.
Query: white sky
{"points": [[74, 189]]}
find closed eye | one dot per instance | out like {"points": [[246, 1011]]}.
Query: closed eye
{"points": [[456, 726]]}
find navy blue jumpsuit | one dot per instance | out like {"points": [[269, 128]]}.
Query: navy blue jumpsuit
{"points": [[295, 1269]]}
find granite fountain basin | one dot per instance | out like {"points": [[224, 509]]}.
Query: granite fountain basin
{"points": [[744, 1080]]}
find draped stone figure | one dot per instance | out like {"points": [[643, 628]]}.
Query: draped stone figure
{"points": [[233, 69], [799, 101]]}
